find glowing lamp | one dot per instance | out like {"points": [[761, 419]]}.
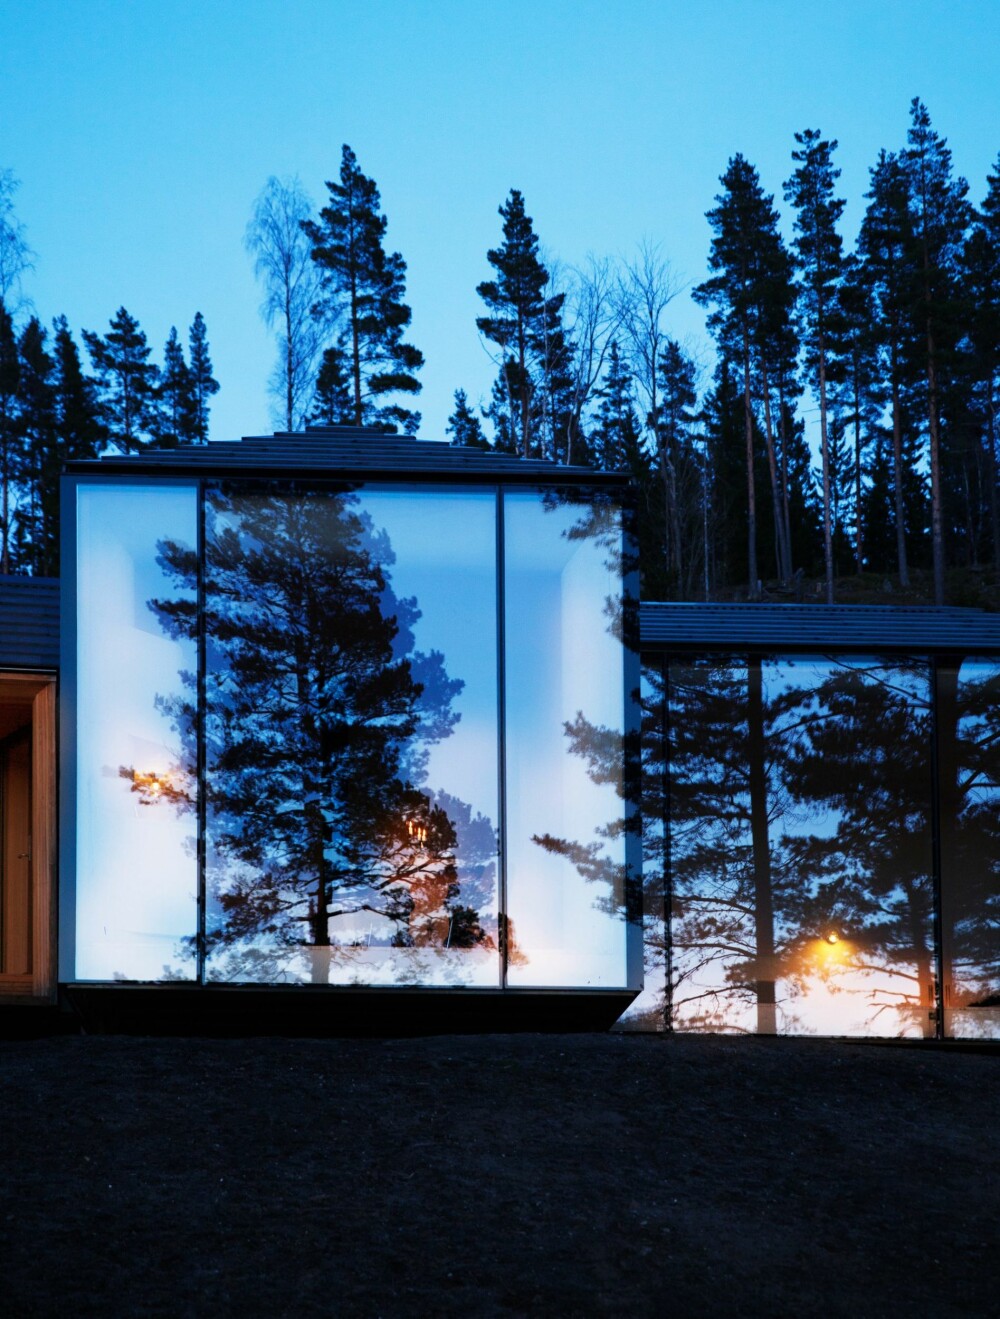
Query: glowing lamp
{"points": [[833, 937]]}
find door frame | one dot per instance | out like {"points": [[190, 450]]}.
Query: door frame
{"points": [[37, 691]]}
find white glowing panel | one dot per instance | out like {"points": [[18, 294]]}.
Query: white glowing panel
{"points": [[564, 738], [136, 882]]}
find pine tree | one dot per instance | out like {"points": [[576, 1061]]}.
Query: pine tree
{"points": [[203, 383], [749, 293], [941, 216], [464, 426], [860, 391], [127, 381], [176, 413], [675, 459], [332, 401], [980, 282], [79, 434], [40, 460], [554, 395], [364, 290], [819, 252], [517, 310], [885, 245]]}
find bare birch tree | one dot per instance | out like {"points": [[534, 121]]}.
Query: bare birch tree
{"points": [[282, 257]]}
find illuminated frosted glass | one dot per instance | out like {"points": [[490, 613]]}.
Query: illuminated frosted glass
{"points": [[564, 737], [136, 880], [351, 736]]}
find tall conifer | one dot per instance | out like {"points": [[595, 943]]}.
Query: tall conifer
{"points": [[127, 381], [940, 217], [363, 291], [203, 383], [818, 248], [517, 309]]}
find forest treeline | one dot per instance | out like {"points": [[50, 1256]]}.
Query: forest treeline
{"points": [[889, 346]]}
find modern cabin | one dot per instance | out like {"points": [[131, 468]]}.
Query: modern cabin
{"points": [[353, 734], [331, 704]]}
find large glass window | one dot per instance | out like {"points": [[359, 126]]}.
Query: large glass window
{"points": [[137, 870], [351, 702], [800, 845], [289, 703], [564, 724], [969, 761]]}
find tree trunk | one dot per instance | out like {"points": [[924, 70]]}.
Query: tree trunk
{"points": [[767, 1023], [751, 489], [824, 441], [937, 516], [897, 478], [782, 553]]}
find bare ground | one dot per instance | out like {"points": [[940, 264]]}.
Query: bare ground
{"points": [[497, 1175]]}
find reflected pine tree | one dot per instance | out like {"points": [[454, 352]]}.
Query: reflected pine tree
{"points": [[969, 759], [799, 843], [319, 715], [852, 753]]}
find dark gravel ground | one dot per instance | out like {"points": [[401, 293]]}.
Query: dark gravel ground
{"points": [[497, 1175]]}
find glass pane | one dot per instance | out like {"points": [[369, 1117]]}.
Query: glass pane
{"points": [[712, 879], [136, 883], [352, 736], [648, 1011], [565, 705], [800, 846], [969, 741], [849, 749]]}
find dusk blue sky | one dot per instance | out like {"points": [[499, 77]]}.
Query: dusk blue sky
{"points": [[142, 132]]}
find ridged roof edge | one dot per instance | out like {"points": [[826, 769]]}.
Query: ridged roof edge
{"points": [[29, 622], [665, 626], [330, 451]]}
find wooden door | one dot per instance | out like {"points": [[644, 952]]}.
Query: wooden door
{"points": [[15, 856]]}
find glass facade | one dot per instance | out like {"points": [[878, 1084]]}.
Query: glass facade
{"points": [[351, 736], [969, 760], [135, 782], [800, 861], [565, 726]]}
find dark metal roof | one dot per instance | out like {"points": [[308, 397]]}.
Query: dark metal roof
{"points": [[871, 628], [29, 622], [329, 451]]}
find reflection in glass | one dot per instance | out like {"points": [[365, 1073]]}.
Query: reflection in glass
{"points": [[566, 844], [648, 1011], [969, 760], [350, 736], [850, 742], [136, 889], [800, 846], [711, 855]]}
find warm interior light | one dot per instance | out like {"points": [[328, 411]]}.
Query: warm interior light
{"points": [[418, 832], [833, 937]]}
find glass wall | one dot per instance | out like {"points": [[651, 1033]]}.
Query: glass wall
{"points": [[800, 845], [650, 1008], [969, 759], [327, 664], [564, 723], [136, 790], [352, 736]]}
